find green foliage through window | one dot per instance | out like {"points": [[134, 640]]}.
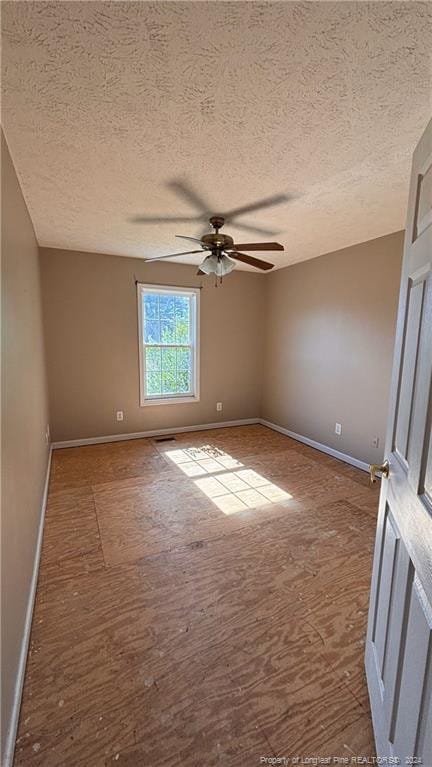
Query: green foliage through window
{"points": [[167, 338]]}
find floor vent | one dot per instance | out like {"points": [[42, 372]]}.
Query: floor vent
{"points": [[164, 439]]}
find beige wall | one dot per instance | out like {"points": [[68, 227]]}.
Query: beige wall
{"points": [[24, 420], [324, 329], [90, 312], [330, 325]]}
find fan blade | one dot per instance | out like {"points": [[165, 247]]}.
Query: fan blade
{"points": [[259, 246], [256, 262], [199, 272], [267, 202], [183, 237], [254, 229], [164, 219], [173, 255], [182, 189]]}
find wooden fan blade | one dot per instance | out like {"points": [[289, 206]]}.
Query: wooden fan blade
{"points": [[173, 255], [199, 272], [256, 262], [259, 246], [183, 237]]}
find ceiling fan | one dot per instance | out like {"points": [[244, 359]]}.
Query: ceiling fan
{"points": [[223, 252]]}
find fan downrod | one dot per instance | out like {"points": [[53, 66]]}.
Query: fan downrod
{"points": [[217, 222]]}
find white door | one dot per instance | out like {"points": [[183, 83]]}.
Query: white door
{"points": [[399, 639]]}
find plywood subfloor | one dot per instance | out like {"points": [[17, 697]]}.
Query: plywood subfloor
{"points": [[202, 601]]}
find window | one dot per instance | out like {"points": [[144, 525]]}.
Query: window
{"points": [[168, 321]]}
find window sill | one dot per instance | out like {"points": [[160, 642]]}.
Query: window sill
{"points": [[168, 400]]}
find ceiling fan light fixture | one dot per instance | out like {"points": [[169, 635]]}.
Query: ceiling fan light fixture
{"points": [[209, 265], [220, 266], [225, 266]]}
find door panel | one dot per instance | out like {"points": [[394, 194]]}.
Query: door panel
{"points": [[421, 403], [401, 595], [428, 474], [409, 367], [399, 640], [423, 213], [391, 540], [402, 650], [410, 704]]}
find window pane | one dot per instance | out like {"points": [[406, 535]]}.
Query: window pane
{"points": [[182, 307], [168, 360], [151, 332], [167, 332], [167, 344], [182, 331], [183, 382], [153, 358], [168, 383], [151, 306], [153, 383], [183, 360], [167, 307], [182, 315]]}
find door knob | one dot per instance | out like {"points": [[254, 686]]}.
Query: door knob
{"points": [[384, 468]]}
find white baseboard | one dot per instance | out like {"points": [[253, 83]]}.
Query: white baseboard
{"points": [[317, 445], [153, 433], [220, 425], [13, 725]]}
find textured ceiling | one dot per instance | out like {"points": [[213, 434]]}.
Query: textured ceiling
{"points": [[106, 104]]}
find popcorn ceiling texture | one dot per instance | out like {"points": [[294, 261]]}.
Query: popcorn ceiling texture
{"points": [[105, 103]]}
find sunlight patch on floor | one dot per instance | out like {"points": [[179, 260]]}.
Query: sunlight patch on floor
{"points": [[195, 462], [239, 490], [230, 491]]}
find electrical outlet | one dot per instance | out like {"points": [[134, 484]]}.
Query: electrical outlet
{"points": [[47, 434], [338, 429], [119, 415], [218, 406], [375, 442]]}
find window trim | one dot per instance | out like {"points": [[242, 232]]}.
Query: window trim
{"points": [[170, 399]]}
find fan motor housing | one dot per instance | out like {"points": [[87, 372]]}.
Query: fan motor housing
{"points": [[218, 240]]}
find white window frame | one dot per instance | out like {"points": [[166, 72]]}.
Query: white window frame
{"points": [[170, 399]]}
